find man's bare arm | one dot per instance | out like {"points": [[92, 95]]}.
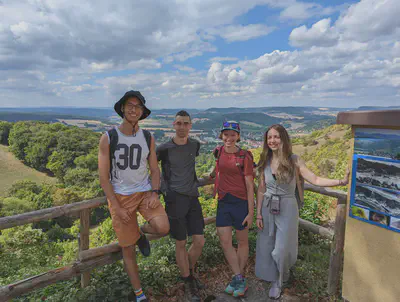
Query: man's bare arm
{"points": [[104, 171], [153, 165]]}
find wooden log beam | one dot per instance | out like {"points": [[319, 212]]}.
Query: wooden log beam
{"points": [[114, 247], [61, 274], [54, 212], [340, 195], [316, 229], [50, 213], [336, 259], [84, 242], [205, 182]]}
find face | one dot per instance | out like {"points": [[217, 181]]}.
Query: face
{"points": [[230, 137], [273, 139], [133, 110], [182, 126]]}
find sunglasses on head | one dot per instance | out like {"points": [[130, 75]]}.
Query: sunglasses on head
{"points": [[231, 125]]}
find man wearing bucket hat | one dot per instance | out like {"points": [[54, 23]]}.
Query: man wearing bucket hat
{"points": [[124, 154]]}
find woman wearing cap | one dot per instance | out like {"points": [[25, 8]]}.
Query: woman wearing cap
{"points": [[234, 185], [277, 207]]}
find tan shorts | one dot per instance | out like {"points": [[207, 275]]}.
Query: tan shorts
{"points": [[128, 233]]}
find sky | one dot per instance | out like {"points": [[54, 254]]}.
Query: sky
{"points": [[200, 53]]}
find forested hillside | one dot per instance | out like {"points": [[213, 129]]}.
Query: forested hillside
{"points": [[70, 155]]}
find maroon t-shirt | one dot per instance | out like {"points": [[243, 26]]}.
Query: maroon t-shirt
{"points": [[231, 179]]}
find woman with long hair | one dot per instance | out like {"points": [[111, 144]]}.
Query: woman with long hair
{"points": [[234, 185], [277, 207]]}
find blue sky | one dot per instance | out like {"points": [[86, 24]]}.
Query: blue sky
{"points": [[200, 53]]}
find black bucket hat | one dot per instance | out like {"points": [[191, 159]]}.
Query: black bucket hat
{"points": [[132, 93]]}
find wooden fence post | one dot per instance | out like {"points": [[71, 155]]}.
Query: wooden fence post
{"points": [[84, 242], [336, 259]]}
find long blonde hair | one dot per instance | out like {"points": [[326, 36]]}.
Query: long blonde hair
{"points": [[285, 171]]}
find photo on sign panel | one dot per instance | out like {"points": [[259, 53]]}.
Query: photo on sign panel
{"points": [[379, 218], [377, 142], [395, 223], [378, 173], [360, 212], [381, 200]]}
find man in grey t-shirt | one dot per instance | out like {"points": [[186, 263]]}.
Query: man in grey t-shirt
{"points": [[181, 199]]}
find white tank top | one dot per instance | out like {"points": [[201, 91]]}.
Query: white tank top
{"points": [[129, 167]]}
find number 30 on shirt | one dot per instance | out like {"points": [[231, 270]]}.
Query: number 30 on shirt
{"points": [[130, 156]]}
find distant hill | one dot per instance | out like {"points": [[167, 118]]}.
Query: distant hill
{"points": [[12, 169], [297, 119], [43, 116]]}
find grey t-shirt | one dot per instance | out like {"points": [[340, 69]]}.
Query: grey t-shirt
{"points": [[178, 166]]}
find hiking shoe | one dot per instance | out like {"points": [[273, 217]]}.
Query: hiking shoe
{"points": [[143, 245], [198, 283], [191, 293], [231, 286], [241, 288], [275, 290]]}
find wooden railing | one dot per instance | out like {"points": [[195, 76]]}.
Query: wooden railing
{"points": [[89, 259]]}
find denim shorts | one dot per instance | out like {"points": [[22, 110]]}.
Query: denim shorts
{"points": [[232, 211]]}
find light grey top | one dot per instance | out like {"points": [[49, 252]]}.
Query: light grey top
{"points": [[129, 167]]}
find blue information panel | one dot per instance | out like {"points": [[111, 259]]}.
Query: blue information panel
{"points": [[375, 190]]}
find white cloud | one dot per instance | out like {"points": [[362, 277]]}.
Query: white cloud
{"points": [[300, 11], [184, 68], [233, 33], [320, 34], [68, 52], [371, 19], [221, 59]]}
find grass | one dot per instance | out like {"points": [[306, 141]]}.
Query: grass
{"points": [[12, 169], [160, 275]]}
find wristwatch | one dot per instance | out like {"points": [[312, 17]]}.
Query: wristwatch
{"points": [[158, 191]]}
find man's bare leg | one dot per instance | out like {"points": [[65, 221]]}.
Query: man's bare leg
{"points": [[195, 250], [182, 259], [131, 267], [158, 225]]}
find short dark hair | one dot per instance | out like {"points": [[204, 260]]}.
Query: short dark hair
{"points": [[183, 113]]}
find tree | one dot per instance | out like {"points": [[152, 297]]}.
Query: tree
{"points": [[79, 177], [88, 161], [64, 196], [10, 206], [5, 128]]}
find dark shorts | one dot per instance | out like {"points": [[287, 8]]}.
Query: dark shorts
{"points": [[184, 214], [232, 211]]}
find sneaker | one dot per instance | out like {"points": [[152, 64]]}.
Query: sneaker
{"points": [[275, 290], [241, 288], [145, 300], [231, 286], [143, 245], [191, 293]]}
